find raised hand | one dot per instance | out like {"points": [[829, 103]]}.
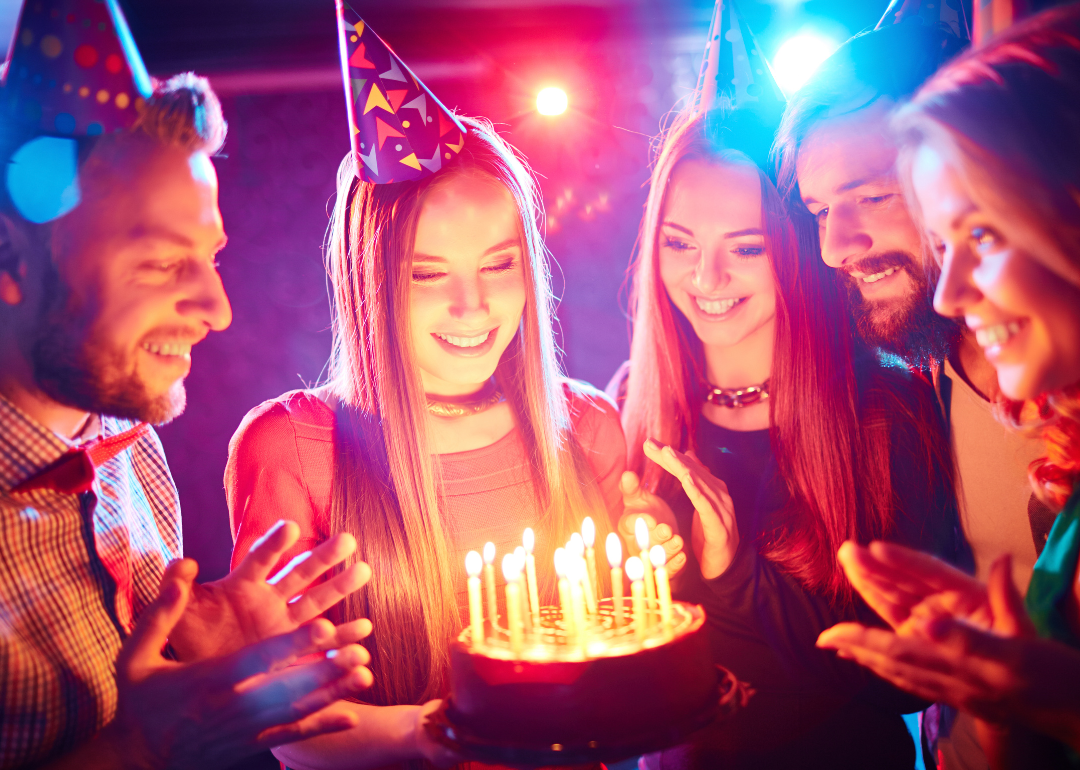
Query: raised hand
{"points": [[214, 713], [249, 604], [641, 503], [715, 535]]}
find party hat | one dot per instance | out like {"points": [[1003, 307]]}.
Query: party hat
{"points": [[992, 16], [400, 131], [73, 69], [944, 13], [734, 67]]}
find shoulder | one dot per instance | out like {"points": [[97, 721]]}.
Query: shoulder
{"points": [[283, 419], [616, 387], [888, 382], [593, 413]]}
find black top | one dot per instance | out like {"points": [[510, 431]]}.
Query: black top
{"points": [[811, 709]]}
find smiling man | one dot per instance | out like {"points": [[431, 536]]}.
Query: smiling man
{"points": [[837, 161]]}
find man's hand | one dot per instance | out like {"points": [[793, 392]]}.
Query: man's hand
{"points": [[214, 713], [640, 503], [248, 605], [715, 535]]}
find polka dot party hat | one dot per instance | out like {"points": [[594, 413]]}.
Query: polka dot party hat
{"points": [[734, 68], [400, 131], [73, 69]]}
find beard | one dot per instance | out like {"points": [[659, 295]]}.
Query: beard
{"points": [[74, 365], [904, 326]]}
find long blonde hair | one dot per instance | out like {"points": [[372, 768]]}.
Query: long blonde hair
{"points": [[386, 483]]}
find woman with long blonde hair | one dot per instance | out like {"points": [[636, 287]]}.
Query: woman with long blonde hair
{"points": [[446, 422]]}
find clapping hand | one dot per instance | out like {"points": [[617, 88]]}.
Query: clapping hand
{"points": [[640, 503], [249, 605], [715, 535]]}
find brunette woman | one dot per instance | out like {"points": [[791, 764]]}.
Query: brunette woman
{"points": [[992, 161], [746, 385], [445, 423]]}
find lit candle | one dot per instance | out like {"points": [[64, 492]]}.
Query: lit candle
{"points": [[588, 534], [576, 548], [663, 585], [473, 565], [512, 574], [635, 570], [641, 534], [519, 555], [577, 600], [489, 584], [529, 540], [564, 593], [614, 557]]}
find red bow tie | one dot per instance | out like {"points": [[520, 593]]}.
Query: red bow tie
{"points": [[74, 471]]}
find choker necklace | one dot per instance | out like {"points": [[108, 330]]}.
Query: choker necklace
{"points": [[735, 398], [455, 409]]}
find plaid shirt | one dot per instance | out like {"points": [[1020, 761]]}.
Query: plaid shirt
{"points": [[75, 571]]}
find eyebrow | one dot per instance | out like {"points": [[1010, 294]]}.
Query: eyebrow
{"points": [[507, 244], [680, 228], [734, 234], [171, 236]]}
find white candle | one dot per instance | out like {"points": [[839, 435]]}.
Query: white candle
{"points": [[577, 601], [529, 541], [614, 557], [635, 570], [565, 606], [489, 585], [588, 534], [473, 565], [576, 548], [663, 585], [512, 574], [519, 556], [641, 534]]}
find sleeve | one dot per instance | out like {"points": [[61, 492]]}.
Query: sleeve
{"points": [[264, 483], [599, 433]]}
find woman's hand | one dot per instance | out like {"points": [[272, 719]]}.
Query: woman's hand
{"points": [[640, 503], [715, 536], [430, 749]]}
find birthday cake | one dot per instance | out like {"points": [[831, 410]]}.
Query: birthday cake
{"points": [[619, 690]]}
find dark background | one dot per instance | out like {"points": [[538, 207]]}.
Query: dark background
{"points": [[624, 64]]}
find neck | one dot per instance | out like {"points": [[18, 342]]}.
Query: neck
{"points": [[748, 362], [970, 362], [17, 386]]}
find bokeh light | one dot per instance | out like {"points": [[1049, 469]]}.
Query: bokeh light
{"points": [[798, 57], [551, 101]]}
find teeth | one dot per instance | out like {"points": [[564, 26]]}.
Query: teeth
{"points": [[717, 306], [464, 342], [878, 276], [999, 334], [167, 348]]}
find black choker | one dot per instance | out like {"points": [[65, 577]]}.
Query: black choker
{"points": [[735, 398]]}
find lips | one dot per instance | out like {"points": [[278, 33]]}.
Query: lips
{"points": [[468, 345], [174, 349], [994, 337], [717, 307], [875, 277]]}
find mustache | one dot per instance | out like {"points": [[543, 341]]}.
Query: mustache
{"points": [[184, 335]]}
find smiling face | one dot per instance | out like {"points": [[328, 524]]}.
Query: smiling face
{"points": [[1025, 317], [138, 282], [713, 261], [468, 283]]}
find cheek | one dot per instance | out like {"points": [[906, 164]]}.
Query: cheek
{"points": [[674, 270]]}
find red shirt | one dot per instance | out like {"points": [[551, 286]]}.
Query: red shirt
{"points": [[281, 465]]}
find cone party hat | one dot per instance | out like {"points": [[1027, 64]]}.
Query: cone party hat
{"points": [[734, 67], [400, 131], [73, 69], [944, 13]]}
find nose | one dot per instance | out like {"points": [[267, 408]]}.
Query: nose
{"points": [[956, 290], [206, 300], [710, 273], [468, 302], [843, 239]]}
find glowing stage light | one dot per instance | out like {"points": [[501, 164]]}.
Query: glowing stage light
{"points": [[551, 101], [798, 57]]}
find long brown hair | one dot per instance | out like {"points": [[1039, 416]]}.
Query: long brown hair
{"points": [[830, 436], [1011, 110], [386, 483]]}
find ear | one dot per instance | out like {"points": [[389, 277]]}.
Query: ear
{"points": [[12, 264]]}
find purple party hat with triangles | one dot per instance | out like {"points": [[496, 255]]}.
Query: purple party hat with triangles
{"points": [[73, 69], [940, 13], [400, 132], [734, 69]]}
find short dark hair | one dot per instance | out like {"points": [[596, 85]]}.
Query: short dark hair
{"points": [[184, 112], [891, 62]]}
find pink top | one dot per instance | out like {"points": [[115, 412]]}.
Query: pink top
{"points": [[281, 465]]}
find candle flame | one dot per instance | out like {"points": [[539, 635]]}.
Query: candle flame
{"points": [[588, 532], [519, 556], [576, 546], [635, 570], [657, 556], [641, 533], [473, 564], [528, 539], [511, 568], [560, 562], [614, 550], [489, 553]]}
